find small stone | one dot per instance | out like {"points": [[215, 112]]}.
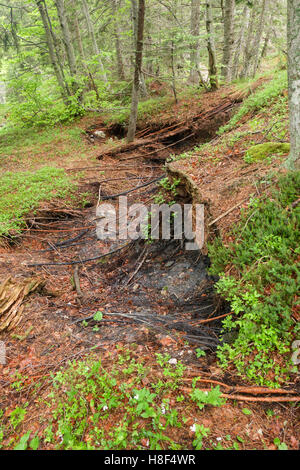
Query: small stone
{"points": [[169, 264], [100, 134], [173, 361]]}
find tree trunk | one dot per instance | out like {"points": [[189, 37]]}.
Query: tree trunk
{"points": [[93, 38], [195, 54], [120, 65], [293, 161], [51, 48], [247, 49], [257, 40], [228, 39], [67, 39], [84, 64], [137, 71], [134, 13], [212, 63], [240, 45]]}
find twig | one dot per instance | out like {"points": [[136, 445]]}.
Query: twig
{"points": [[142, 155], [77, 282], [70, 263], [134, 189], [137, 269], [214, 318], [245, 398], [228, 212]]}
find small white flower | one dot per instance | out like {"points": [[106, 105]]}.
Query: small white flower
{"points": [[219, 438], [136, 397], [173, 361], [193, 428], [105, 407], [163, 410]]}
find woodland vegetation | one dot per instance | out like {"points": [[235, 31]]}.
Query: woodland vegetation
{"points": [[192, 100]]}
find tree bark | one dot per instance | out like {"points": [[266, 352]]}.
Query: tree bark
{"points": [[228, 39], [258, 37], [134, 12], [212, 63], [247, 49], [93, 38], [83, 60], [51, 48], [137, 71], [67, 39], [240, 45], [194, 54], [293, 40], [120, 65]]}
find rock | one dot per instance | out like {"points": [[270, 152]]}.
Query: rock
{"points": [[100, 134], [169, 264]]}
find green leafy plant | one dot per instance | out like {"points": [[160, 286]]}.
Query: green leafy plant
{"points": [[21, 192], [262, 296]]}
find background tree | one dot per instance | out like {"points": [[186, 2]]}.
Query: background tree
{"points": [[293, 41], [137, 71]]}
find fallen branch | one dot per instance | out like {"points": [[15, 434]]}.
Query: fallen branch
{"points": [[273, 399], [134, 189], [243, 389], [228, 212], [137, 269], [70, 263], [77, 282]]}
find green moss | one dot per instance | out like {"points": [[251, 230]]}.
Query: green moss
{"points": [[260, 152]]}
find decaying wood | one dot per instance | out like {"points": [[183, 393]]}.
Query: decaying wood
{"points": [[274, 399], [12, 295], [160, 140], [77, 282]]}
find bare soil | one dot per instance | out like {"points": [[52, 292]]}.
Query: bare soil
{"points": [[165, 294]]}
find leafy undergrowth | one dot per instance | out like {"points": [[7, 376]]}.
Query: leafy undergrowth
{"points": [[129, 403], [21, 193], [159, 110], [262, 119], [27, 149], [262, 98], [260, 277]]}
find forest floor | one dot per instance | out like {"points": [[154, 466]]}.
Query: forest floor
{"points": [[158, 326]]}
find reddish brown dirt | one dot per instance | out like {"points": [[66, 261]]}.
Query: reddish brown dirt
{"points": [[49, 336]]}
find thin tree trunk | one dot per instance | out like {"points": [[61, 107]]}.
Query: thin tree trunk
{"points": [[195, 54], [86, 69], [93, 38], [240, 46], [259, 33], [247, 49], [134, 13], [51, 48], [137, 72], [293, 161], [120, 65], [173, 72], [212, 63], [228, 39], [67, 39]]}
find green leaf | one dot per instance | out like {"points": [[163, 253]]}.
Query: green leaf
{"points": [[34, 443], [98, 316], [22, 444]]}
